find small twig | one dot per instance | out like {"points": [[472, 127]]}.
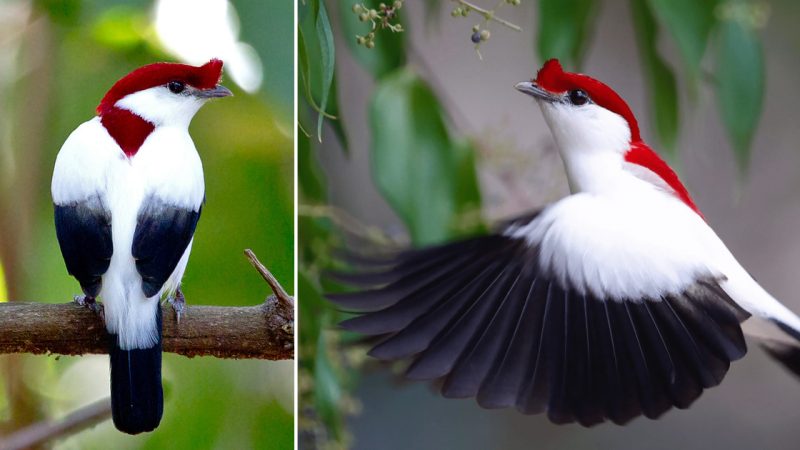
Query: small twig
{"points": [[42, 432], [276, 287], [348, 223], [488, 15]]}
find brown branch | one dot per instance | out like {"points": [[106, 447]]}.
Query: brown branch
{"points": [[42, 432], [276, 287], [265, 331]]}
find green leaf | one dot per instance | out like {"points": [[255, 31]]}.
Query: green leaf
{"points": [[389, 51], [689, 22], [338, 123], [328, 53], [740, 84], [426, 175], [304, 67], [316, 65], [309, 173], [310, 308], [660, 79], [328, 390], [563, 29], [64, 12]]}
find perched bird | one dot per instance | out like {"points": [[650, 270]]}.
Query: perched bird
{"points": [[127, 191], [616, 301]]}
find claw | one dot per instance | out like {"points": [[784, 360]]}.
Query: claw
{"points": [[91, 304], [178, 302]]}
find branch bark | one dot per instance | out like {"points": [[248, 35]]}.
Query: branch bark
{"points": [[265, 331]]}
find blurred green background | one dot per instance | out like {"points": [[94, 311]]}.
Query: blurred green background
{"points": [[57, 59]]}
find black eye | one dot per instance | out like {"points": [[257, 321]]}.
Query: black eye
{"points": [[577, 97], [176, 87]]}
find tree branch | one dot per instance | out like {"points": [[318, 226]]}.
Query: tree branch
{"points": [[42, 432], [265, 331], [276, 287]]}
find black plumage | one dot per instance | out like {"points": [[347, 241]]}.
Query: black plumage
{"points": [[163, 232], [788, 354], [137, 398], [506, 379], [83, 230], [480, 317], [475, 363]]}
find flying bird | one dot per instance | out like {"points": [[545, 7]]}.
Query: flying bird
{"points": [[127, 192], [616, 301]]}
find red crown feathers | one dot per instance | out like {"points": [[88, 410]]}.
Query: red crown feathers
{"points": [[203, 77]]}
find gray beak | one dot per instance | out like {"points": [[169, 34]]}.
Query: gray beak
{"points": [[530, 88], [217, 91]]}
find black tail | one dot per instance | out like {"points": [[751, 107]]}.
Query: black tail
{"points": [[137, 400]]}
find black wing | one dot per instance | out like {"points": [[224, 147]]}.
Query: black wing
{"points": [[480, 317], [84, 235], [163, 232]]}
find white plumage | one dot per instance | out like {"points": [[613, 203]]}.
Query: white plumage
{"points": [[624, 234], [166, 166]]}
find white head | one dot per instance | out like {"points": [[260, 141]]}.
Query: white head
{"points": [[156, 95], [597, 135], [583, 114], [172, 105]]}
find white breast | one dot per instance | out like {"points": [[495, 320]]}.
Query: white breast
{"points": [[621, 247], [83, 163], [170, 168], [167, 166]]}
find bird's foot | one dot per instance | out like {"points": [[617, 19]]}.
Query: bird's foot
{"points": [[178, 302], [89, 303]]}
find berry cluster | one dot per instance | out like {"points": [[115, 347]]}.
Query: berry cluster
{"points": [[380, 18], [479, 35], [479, 32]]}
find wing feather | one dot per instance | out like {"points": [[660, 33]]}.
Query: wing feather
{"points": [[489, 318], [163, 232]]}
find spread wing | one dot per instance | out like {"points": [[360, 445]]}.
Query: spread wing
{"points": [[494, 317], [163, 232], [83, 229]]}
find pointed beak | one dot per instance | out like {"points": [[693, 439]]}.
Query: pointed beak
{"points": [[532, 89], [217, 91]]}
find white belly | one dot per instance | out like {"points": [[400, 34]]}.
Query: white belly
{"points": [[167, 166], [128, 313]]}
